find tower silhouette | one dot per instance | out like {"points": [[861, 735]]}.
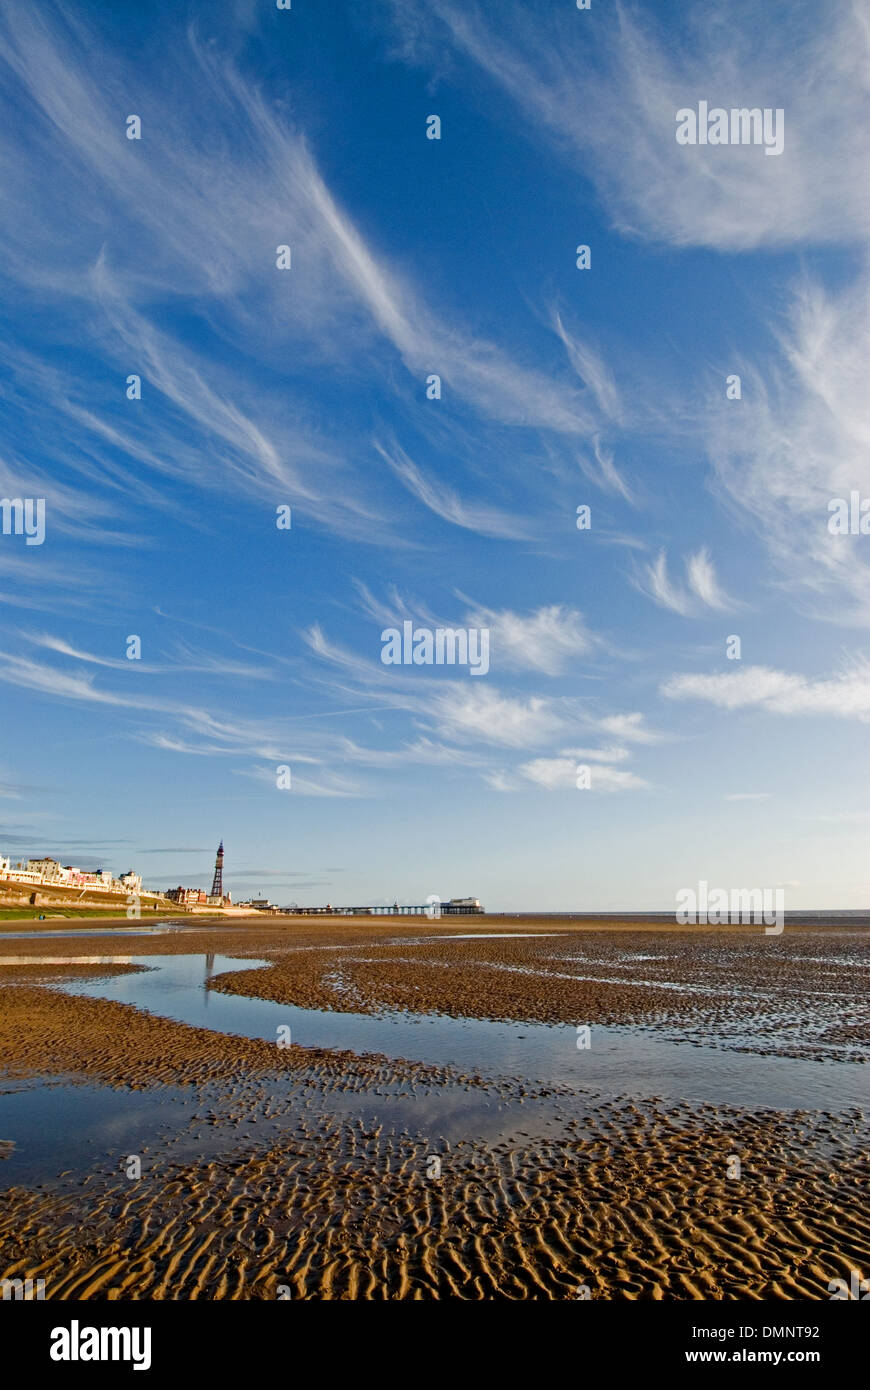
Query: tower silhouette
{"points": [[217, 887]]}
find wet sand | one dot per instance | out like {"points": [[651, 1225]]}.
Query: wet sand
{"points": [[318, 1177]]}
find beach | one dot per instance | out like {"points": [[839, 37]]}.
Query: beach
{"points": [[472, 1110]]}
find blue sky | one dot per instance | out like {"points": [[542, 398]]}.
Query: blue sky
{"points": [[560, 387]]}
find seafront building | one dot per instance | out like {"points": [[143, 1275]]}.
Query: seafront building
{"points": [[49, 873], [187, 897]]}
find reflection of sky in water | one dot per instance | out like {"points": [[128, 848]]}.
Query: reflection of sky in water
{"points": [[65, 960], [54, 1128], [621, 1060], [166, 929], [57, 1128]]}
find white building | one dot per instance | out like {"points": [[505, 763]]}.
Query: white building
{"points": [[50, 869], [47, 872]]}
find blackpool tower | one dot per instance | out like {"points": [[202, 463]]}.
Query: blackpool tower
{"points": [[217, 888]]}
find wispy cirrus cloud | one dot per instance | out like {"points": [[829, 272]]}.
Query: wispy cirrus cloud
{"points": [[702, 590], [327, 784], [546, 640], [731, 198], [203, 663], [468, 712], [591, 368], [799, 438], [281, 739], [196, 189], [445, 502], [423, 751]]}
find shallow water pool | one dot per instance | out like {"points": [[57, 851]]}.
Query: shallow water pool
{"points": [[620, 1060]]}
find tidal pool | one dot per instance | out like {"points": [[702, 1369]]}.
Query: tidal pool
{"points": [[620, 1060], [161, 929]]}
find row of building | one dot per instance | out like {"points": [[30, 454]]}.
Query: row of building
{"points": [[49, 873], [197, 897]]}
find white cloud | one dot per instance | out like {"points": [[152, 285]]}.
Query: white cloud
{"points": [[591, 369], [466, 710], [332, 784], [630, 727], [545, 640], [444, 502], [799, 438], [423, 751], [558, 774], [703, 582], [845, 696], [599, 755], [727, 198], [32, 675], [204, 663], [195, 222], [659, 587], [481, 713], [654, 581], [500, 781]]}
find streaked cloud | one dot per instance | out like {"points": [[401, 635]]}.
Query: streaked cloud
{"points": [[731, 198], [845, 696], [560, 774], [702, 590], [799, 438], [446, 503]]}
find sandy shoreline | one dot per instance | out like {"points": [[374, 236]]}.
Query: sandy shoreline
{"points": [[631, 1198]]}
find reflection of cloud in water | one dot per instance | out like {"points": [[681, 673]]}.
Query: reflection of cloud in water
{"points": [[623, 1059]]}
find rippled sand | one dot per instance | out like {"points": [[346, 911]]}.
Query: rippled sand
{"points": [[629, 1199], [634, 1204]]}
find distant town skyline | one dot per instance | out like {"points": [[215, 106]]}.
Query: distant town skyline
{"points": [[437, 505]]}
